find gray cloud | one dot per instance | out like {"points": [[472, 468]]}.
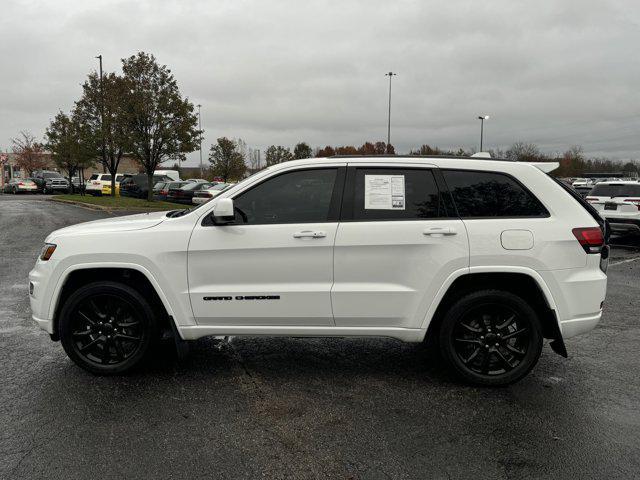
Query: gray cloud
{"points": [[555, 72]]}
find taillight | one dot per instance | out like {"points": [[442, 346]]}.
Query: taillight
{"points": [[590, 238], [635, 201]]}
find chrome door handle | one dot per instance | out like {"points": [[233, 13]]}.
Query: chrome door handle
{"points": [[439, 231], [309, 234]]}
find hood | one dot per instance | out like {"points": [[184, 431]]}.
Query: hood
{"points": [[117, 224]]}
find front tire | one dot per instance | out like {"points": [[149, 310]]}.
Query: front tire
{"points": [[491, 337], [107, 328]]}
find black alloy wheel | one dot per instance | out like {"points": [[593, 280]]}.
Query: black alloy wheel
{"points": [[106, 327], [491, 337]]}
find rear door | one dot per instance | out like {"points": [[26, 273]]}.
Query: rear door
{"points": [[397, 242]]}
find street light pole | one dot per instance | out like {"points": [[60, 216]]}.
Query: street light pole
{"points": [[390, 74], [200, 139], [482, 118], [104, 147]]}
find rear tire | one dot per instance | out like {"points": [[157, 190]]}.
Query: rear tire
{"points": [[107, 328], [491, 337]]}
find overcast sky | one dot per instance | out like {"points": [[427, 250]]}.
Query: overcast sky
{"points": [[552, 72]]}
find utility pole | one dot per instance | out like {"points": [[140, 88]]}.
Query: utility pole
{"points": [[390, 74], [482, 118], [104, 147], [200, 139]]}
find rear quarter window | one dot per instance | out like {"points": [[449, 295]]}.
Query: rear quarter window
{"points": [[480, 194]]}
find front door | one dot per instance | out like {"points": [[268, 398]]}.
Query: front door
{"points": [[274, 265], [398, 241]]}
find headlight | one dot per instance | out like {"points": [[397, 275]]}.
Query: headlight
{"points": [[47, 251]]}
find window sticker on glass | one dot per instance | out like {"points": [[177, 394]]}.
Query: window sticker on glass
{"points": [[384, 192]]}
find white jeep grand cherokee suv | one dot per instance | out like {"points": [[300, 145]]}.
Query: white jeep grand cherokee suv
{"points": [[482, 258]]}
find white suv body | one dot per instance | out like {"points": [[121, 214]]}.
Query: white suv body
{"points": [[356, 246], [619, 203]]}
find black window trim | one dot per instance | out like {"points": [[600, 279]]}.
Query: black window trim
{"points": [[349, 193], [494, 217], [335, 205]]}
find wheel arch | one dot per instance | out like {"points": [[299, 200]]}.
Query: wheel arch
{"points": [[133, 275], [524, 282]]}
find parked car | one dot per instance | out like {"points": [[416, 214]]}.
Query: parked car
{"points": [[161, 189], [100, 183], [619, 203], [582, 182], [170, 174], [207, 194], [184, 193], [20, 185], [483, 258], [50, 182], [137, 186]]}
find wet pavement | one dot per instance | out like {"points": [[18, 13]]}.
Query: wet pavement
{"points": [[309, 408]]}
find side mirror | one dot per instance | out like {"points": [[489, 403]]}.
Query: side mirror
{"points": [[223, 212]]}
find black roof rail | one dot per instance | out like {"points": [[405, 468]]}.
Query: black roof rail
{"points": [[453, 157]]}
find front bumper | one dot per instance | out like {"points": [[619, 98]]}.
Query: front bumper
{"points": [[40, 294]]}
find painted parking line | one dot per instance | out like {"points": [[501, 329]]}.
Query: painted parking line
{"points": [[613, 264]]}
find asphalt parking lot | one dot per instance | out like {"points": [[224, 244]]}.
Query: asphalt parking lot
{"points": [[300, 408]]}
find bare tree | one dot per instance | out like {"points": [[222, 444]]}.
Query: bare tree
{"points": [[29, 152]]}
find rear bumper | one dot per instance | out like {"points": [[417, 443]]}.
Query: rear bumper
{"points": [[579, 295], [577, 326]]}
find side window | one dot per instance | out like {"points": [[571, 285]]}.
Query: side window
{"points": [[490, 194], [396, 194], [303, 196]]}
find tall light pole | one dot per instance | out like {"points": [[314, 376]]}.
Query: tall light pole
{"points": [[104, 148], [482, 118], [390, 74], [200, 148]]}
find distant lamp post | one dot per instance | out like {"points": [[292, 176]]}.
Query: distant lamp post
{"points": [[482, 118], [200, 139], [390, 74]]}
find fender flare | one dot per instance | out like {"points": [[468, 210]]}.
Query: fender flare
{"points": [[557, 344], [53, 305]]}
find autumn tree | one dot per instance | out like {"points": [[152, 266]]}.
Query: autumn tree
{"points": [[161, 125], [101, 112], [29, 152], [277, 154], [69, 142], [226, 160], [302, 150], [326, 152]]}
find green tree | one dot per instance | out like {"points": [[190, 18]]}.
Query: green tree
{"points": [[226, 160], [101, 112], [69, 142], [161, 124], [302, 150], [277, 154]]}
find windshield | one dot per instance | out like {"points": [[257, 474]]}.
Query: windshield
{"points": [[616, 190], [220, 186], [51, 175]]}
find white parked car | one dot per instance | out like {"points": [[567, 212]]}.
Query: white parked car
{"points": [[483, 258], [98, 180], [213, 191], [172, 174], [619, 203], [582, 182]]}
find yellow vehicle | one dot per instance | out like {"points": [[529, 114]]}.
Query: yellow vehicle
{"points": [[106, 189]]}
